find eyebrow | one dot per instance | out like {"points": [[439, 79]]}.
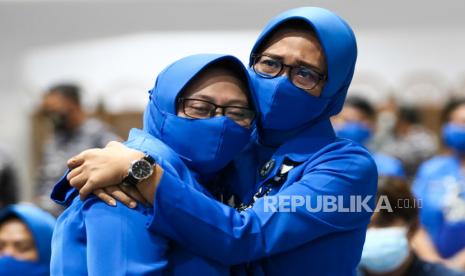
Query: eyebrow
{"points": [[300, 63], [237, 103]]}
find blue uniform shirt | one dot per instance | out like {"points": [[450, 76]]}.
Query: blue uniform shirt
{"points": [[294, 243], [96, 239], [114, 241], [388, 165], [440, 187], [302, 162]]}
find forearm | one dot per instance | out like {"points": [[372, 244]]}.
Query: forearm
{"points": [[424, 247], [213, 230], [147, 187]]}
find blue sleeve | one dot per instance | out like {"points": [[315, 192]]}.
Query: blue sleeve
{"points": [[118, 242], [214, 230], [420, 182], [64, 194]]}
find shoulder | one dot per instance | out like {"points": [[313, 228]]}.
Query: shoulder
{"points": [[346, 162], [388, 165], [344, 154], [157, 149], [437, 164]]}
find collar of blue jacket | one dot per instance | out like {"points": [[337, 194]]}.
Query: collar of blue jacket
{"points": [[39, 222], [339, 45]]}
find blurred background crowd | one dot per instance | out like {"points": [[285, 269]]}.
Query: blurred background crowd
{"points": [[74, 75]]}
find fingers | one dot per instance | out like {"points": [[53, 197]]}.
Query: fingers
{"points": [[87, 189], [134, 194], [79, 159], [76, 161], [74, 172], [78, 181], [118, 194], [100, 193]]}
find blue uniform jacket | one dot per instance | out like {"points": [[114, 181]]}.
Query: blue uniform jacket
{"points": [[307, 165], [95, 239], [388, 165], [291, 243]]}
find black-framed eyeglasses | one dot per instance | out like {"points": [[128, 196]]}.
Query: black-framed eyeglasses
{"points": [[202, 109], [301, 76]]}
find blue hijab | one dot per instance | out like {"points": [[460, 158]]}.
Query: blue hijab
{"points": [[337, 39], [41, 225], [205, 145]]}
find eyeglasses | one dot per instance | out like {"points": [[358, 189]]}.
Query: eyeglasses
{"points": [[301, 76], [201, 109]]}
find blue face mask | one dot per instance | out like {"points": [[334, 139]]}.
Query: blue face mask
{"points": [[454, 137], [206, 145], [284, 106], [354, 131], [385, 249]]}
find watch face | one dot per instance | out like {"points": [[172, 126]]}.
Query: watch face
{"points": [[141, 169]]}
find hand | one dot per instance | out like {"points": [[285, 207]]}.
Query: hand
{"points": [[128, 195], [99, 168]]}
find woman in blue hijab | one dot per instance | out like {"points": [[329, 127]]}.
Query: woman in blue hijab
{"points": [[200, 99], [25, 236], [301, 67]]}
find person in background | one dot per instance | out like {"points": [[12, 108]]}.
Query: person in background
{"points": [[357, 122], [440, 184], [8, 180], [25, 237], [410, 142], [387, 250], [73, 132]]}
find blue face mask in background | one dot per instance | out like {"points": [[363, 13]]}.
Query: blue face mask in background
{"points": [[385, 249], [12, 266], [284, 106], [354, 131], [454, 137]]}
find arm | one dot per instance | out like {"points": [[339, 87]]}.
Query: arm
{"points": [[204, 225], [118, 243], [424, 247]]}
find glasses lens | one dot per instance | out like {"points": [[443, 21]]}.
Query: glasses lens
{"points": [[267, 66], [304, 77], [242, 116], [198, 109]]}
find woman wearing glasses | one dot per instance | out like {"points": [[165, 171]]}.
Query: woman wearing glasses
{"points": [[193, 127], [301, 67]]}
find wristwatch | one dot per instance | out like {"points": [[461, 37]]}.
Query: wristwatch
{"points": [[139, 170]]}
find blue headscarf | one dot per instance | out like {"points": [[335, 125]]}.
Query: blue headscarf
{"points": [[205, 145], [339, 45], [41, 225]]}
